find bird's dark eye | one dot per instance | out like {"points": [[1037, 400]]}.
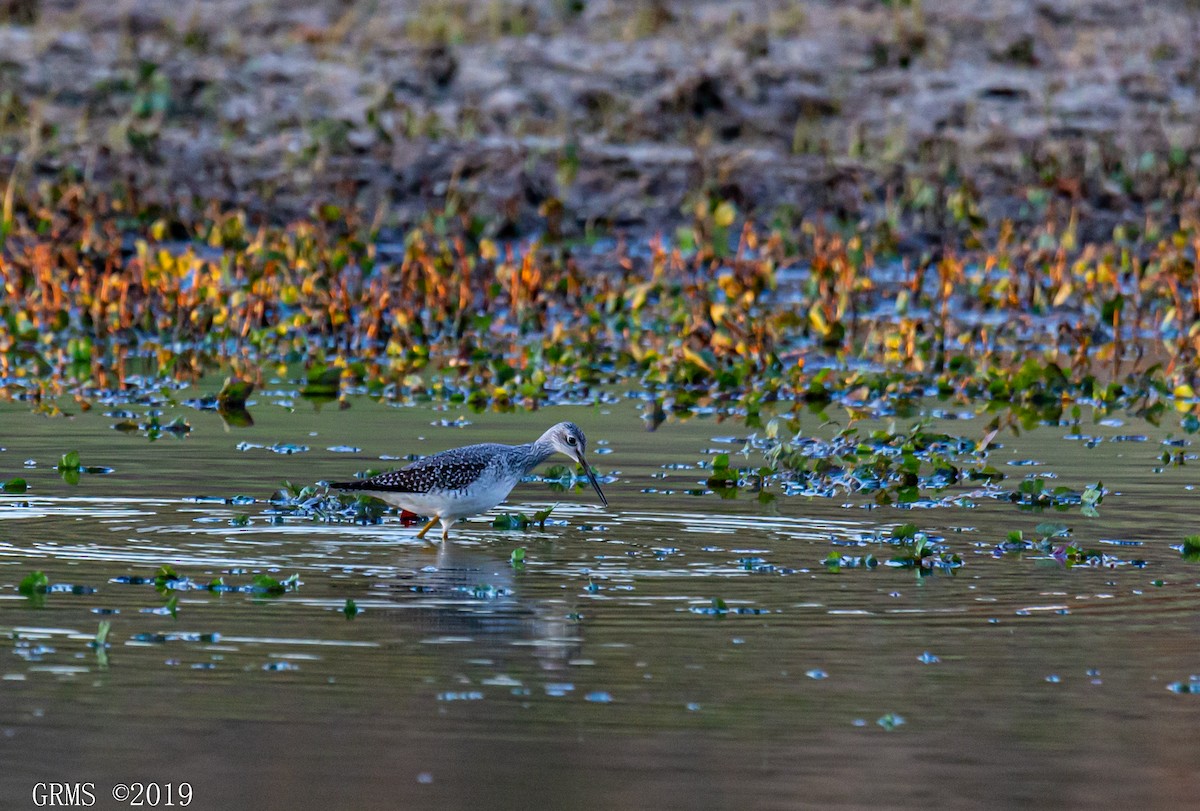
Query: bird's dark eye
{"points": [[570, 440]]}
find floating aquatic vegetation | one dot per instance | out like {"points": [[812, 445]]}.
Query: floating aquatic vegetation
{"points": [[69, 467], [1049, 542], [37, 585], [1046, 532], [1033, 494], [1190, 549], [313, 503], [835, 562], [890, 467], [100, 643], [234, 393], [265, 584], [786, 314], [719, 608], [14, 486], [521, 521], [34, 585], [167, 582], [153, 428], [1047, 536], [323, 383], [920, 551]]}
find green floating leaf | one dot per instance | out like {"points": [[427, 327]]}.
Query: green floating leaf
{"points": [[1092, 496], [234, 393], [14, 486], [540, 516], [517, 558], [101, 640], [269, 585], [350, 609], [69, 461], [35, 583], [507, 521], [723, 478], [323, 383], [264, 582], [163, 579], [100, 643], [1191, 547], [173, 606]]}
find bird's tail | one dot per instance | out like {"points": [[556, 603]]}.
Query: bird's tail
{"points": [[354, 485]]}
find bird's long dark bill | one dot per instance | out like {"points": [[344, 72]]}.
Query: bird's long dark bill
{"points": [[591, 477]]}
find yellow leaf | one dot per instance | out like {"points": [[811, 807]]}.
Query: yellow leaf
{"points": [[1183, 397], [724, 215], [691, 356], [638, 300], [817, 319]]}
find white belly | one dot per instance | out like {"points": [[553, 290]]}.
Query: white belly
{"points": [[481, 497]]}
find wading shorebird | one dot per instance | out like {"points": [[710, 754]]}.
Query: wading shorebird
{"points": [[466, 481]]}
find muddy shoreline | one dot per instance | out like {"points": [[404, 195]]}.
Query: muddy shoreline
{"points": [[576, 117]]}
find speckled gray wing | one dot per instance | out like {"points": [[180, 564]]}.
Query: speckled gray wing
{"points": [[448, 470]]}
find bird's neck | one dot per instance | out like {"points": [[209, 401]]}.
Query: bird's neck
{"points": [[538, 452]]}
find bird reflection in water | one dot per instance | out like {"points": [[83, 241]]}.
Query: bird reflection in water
{"points": [[472, 598]]}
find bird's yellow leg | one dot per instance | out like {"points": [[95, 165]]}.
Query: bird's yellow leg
{"points": [[428, 526]]}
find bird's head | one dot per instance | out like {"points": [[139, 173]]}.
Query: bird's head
{"points": [[568, 439]]}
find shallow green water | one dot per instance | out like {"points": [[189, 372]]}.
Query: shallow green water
{"points": [[598, 675]]}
